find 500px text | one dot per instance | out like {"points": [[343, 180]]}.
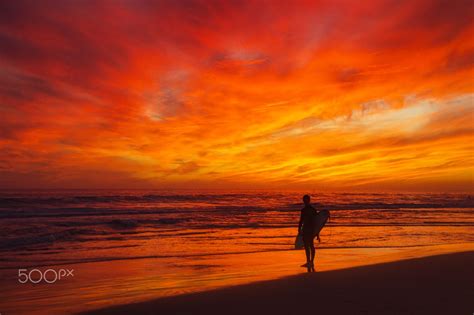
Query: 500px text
{"points": [[48, 275]]}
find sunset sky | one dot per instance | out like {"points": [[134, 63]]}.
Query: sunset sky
{"points": [[327, 95]]}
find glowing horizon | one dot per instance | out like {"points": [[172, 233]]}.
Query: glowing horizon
{"points": [[328, 95]]}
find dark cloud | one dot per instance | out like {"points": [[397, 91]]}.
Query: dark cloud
{"points": [[447, 18], [23, 87], [459, 61]]}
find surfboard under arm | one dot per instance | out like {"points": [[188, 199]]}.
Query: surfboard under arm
{"points": [[320, 220]]}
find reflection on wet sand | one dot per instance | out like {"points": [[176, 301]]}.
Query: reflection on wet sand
{"points": [[100, 284]]}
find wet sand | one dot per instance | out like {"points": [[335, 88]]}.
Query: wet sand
{"points": [[442, 284]]}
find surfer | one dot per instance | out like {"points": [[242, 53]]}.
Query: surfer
{"points": [[306, 227]]}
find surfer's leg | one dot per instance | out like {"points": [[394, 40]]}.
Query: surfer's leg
{"points": [[308, 253], [313, 250], [307, 246]]}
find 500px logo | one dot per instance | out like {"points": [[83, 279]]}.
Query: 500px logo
{"points": [[48, 276]]}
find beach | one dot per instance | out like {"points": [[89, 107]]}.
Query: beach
{"points": [[108, 284], [442, 284]]}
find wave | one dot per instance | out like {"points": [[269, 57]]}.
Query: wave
{"points": [[56, 262], [127, 229], [65, 212], [169, 198], [335, 201], [41, 239]]}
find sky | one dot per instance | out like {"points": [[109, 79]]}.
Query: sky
{"points": [[315, 95]]}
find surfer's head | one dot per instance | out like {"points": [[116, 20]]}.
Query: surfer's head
{"points": [[306, 199]]}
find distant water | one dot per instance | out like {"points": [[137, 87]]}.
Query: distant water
{"points": [[39, 228]]}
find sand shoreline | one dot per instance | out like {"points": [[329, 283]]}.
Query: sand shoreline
{"points": [[107, 284], [430, 285]]}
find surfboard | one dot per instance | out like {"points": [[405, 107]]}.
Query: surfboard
{"points": [[299, 244], [320, 220]]}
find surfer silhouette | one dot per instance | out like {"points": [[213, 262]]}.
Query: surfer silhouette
{"points": [[306, 228]]}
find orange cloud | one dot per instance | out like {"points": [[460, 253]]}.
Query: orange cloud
{"points": [[327, 95]]}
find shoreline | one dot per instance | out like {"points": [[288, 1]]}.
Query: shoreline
{"points": [[125, 259], [429, 285], [99, 285]]}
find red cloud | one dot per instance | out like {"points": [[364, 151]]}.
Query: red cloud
{"points": [[263, 93]]}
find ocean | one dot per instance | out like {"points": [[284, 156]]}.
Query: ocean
{"points": [[47, 228]]}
